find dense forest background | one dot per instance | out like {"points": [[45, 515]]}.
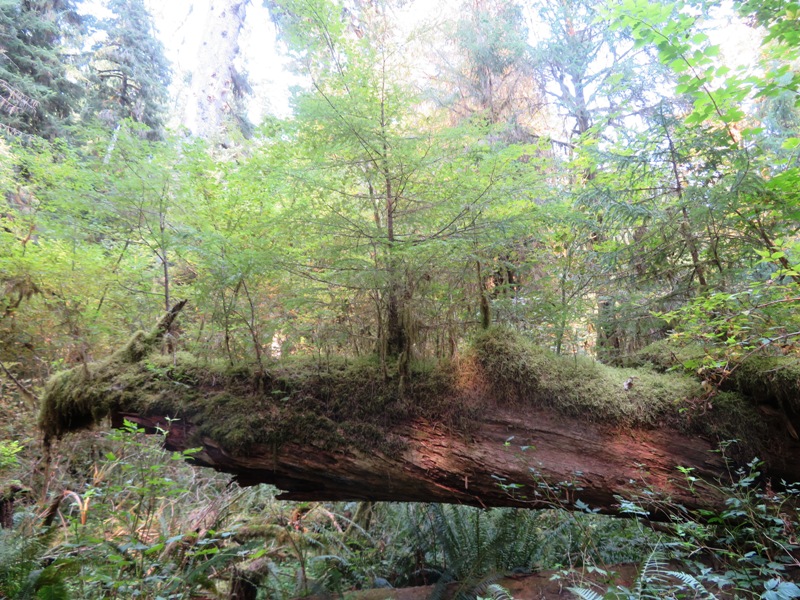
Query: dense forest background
{"points": [[596, 176]]}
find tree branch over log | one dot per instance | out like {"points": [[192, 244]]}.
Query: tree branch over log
{"points": [[27, 394], [165, 323], [508, 424]]}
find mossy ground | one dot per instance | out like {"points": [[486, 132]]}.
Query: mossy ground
{"points": [[355, 403]]}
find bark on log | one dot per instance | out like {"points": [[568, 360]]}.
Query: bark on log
{"points": [[536, 461], [508, 425]]}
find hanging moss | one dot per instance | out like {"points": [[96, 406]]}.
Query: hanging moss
{"points": [[353, 404]]}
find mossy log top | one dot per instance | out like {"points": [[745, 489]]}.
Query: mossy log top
{"points": [[354, 402], [354, 407], [768, 379]]}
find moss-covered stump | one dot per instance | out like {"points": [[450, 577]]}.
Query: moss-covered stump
{"points": [[508, 424]]}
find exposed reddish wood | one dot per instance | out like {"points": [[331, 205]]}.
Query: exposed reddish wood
{"points": [[565, 461]]}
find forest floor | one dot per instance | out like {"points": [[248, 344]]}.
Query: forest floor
{"points": [[545, 585]]}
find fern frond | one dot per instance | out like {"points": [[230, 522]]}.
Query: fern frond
{"points": [[585, 594], [652, 571], [494, 591], [330, 558], [690, 581]]}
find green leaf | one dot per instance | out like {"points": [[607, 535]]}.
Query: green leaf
{"points": [[790, 143], [679, 66]]}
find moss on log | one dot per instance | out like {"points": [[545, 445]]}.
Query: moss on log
{"points": [[767, 380], [350, 402], [352, 408]]}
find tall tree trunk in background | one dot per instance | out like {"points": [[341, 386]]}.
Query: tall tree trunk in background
{"points": [[397, 340], [211, 92]]}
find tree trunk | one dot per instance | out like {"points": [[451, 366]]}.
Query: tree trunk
{"points": [[211, 93], [8, 495]]}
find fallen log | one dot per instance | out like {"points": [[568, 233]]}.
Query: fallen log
{"points": [[507, 424]]}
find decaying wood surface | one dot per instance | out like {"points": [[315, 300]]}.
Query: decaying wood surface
{"points": [[536, 460]]}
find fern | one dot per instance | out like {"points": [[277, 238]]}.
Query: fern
{"points": [[585, 594], [22, 575], [478, 546], [655, 581], [650, 573], [691, 582], [493, 591]]}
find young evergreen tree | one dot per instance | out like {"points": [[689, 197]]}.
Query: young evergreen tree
{"points": [[393, 198], [602, 88], [129, 70], [37, 97], [485, 76], [489, 72]]}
